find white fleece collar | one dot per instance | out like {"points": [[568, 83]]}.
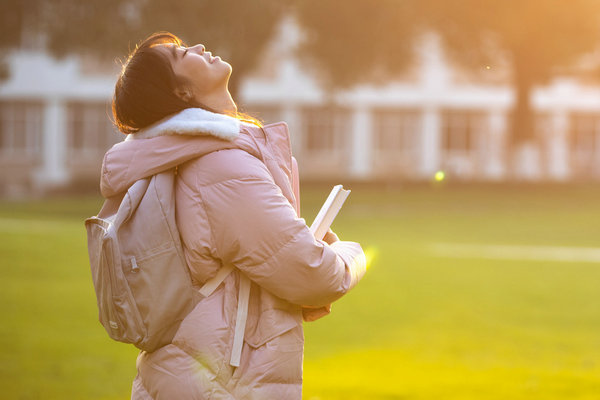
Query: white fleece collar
{"points": [[192, 121]]}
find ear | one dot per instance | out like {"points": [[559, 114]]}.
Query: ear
{"points": [[184, 93]]}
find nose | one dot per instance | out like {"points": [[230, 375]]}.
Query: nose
{"points": [[199, 48]]}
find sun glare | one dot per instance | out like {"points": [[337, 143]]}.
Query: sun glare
{"points": [[370, 255]]}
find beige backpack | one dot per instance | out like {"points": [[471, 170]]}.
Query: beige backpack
{"points": [[143, 285]]}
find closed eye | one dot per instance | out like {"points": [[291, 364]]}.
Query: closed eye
{"points": [[184, 53]]}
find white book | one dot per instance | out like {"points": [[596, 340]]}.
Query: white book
{"points": [[329, 211]]}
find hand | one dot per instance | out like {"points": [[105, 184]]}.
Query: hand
{"points": [[330, 237], [310, 313]]}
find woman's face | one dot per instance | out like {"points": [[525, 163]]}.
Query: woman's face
{"points": [[203, 73]]}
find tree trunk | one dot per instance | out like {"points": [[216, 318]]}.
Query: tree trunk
{"points": [[523, 145]]}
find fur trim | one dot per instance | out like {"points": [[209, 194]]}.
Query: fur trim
{"points": [[192, 121]]}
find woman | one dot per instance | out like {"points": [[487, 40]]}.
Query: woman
{"points": [[237, 204]]}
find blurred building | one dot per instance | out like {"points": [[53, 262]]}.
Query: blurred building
{"points": [[55, 122]]}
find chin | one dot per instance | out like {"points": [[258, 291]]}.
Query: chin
{"points": [[227, 69]]}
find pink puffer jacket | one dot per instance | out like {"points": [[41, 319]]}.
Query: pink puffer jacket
{"points": [[236, 203]]}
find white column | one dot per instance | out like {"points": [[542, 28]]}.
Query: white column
{"points": [[495, 150], [430, 142], [558, 149], [53, 171], [362, 144]]}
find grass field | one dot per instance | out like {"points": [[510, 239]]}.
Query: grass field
{"points": [[420, 325]]}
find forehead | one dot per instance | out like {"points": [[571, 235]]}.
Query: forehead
{"points": [[169, 49]]}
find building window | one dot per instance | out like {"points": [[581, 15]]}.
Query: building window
{"points": [[585, 142], [458, 131], [584, 134], [21, 128], [89, 128], [326, 129], [464, 141], [396, 142], [396, 131]]}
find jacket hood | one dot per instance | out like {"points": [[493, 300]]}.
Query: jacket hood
{"points": [[172, 141], [192, 121]]}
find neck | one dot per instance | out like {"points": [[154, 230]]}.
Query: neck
{"points": [[220, 102]]}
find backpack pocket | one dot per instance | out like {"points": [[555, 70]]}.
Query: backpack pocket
{"points": [[117, 310]]}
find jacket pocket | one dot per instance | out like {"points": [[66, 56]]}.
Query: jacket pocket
{"points": [[275, 350], [273, 324]]}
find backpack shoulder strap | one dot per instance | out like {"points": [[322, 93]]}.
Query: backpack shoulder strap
{"points": [[214, 282]]}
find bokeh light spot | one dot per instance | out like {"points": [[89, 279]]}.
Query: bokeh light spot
{"points": [[440, 176]]}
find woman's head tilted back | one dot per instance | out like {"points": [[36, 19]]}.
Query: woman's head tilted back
{"points": [[162, 77]]}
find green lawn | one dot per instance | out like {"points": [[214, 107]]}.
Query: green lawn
{"points": [[419, 325]]}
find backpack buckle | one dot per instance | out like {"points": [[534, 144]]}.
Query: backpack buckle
{"points": [[134, 266]]}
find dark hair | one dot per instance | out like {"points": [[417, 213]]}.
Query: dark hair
{"points": [[145, 90]]}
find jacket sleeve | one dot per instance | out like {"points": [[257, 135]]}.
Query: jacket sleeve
{"points": [[255, 228]]}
